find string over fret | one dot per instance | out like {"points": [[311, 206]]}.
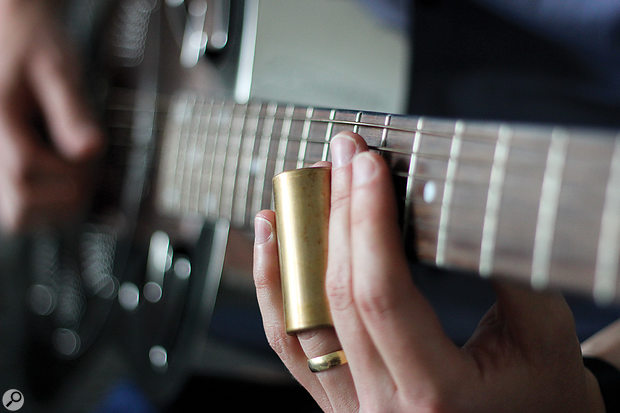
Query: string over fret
{"points": [[408, 210], [328, 134], [608, 250], [548, 208], [494, 198], [448, 190]]}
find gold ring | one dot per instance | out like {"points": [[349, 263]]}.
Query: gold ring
{"points": [[322, 363]]}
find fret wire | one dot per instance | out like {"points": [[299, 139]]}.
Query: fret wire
{"points": [[250, 167], [284, 138], [185, 173], [268, 129], [180, 160], [197, 122], [166, 172], [446, 201], [305, 134], [233, 132], [409, 188], [606, 270], [494, 197], [358, 120], [384, 132], [213, 202], [202, 202], [547, 209], [328, 135]]}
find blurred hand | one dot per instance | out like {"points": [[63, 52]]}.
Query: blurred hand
{"points": [[40, 182], [523, 357]]}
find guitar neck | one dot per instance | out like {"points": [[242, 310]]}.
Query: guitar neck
{"points": [[534, 203]]}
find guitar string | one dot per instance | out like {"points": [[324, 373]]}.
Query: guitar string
{"points": [[524, 151], [477, 137], [117, 142], [480, 163], [214, 102], [526, 172]]}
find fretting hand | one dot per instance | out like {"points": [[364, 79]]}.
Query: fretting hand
{"points": [[524, 355], [40, 182]]}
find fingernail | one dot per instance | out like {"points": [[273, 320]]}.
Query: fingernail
{"points": [[343, 149], [262, 230], [364, 168]]}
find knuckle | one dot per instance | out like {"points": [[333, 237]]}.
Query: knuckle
{"points": [[367, 208], [338, 289], [340, 199], [374, 299], [261, 280], [278, 340]]}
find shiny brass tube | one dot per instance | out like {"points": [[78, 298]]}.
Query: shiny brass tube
{"points": [[302, 202]]}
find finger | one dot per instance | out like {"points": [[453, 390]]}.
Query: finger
{"points": [[400, 321], [337, 381], [54, 84], [269, 294], [369, 373]]}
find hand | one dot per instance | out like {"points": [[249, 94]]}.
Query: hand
{"points": [[40, 182], [524, 355]]}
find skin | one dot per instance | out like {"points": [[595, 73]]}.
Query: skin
{"points": [[41, 182], [524, 355]]}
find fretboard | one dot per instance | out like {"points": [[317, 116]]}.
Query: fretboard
{"points": [[540, 204]]}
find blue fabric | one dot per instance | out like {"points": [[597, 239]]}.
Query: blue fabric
{"points": [[591, 28], [125, 397]]}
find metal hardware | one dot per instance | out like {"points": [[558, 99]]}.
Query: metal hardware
{"points": [[206, 27], [218, 20], [158, 356], [302, 202], [158, 263]]}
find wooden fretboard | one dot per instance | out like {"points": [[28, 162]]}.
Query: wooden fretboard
{"points": [[540, 204]]}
